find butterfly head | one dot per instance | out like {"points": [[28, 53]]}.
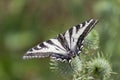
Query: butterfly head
{"points": [[71, 54]]}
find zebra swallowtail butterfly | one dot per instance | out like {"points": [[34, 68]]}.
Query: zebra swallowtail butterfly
{"points": [[65, 46]]}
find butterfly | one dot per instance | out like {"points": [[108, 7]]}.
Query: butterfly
{"points": [[65, 46]]}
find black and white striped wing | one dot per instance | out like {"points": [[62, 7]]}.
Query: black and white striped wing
{"points": [[51, 48], [75, 35]]}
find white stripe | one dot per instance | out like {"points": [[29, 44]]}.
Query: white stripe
{"points": [[55, 41], [73, 39], [67, 37], [38, 46]]}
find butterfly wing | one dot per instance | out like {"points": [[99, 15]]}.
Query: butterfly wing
{"points": [[55, 48], [75, 35]]}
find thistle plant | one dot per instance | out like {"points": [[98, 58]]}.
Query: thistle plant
{"points": [[92, 65], [65, 69], [99, 67]]}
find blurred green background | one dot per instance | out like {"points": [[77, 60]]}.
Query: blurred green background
{"points": [[25, 23]]}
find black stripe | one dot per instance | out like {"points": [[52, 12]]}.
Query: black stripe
{"points": [[42, 45], [77, 28], [63, 41], [70, 32], [83, 24], [36, 48], [50, 42]]}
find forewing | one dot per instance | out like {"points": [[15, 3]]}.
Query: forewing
{"points": [[75, 35], [50, 48]]}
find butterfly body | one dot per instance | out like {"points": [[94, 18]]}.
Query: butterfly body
{"points": [[65, 46]]}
